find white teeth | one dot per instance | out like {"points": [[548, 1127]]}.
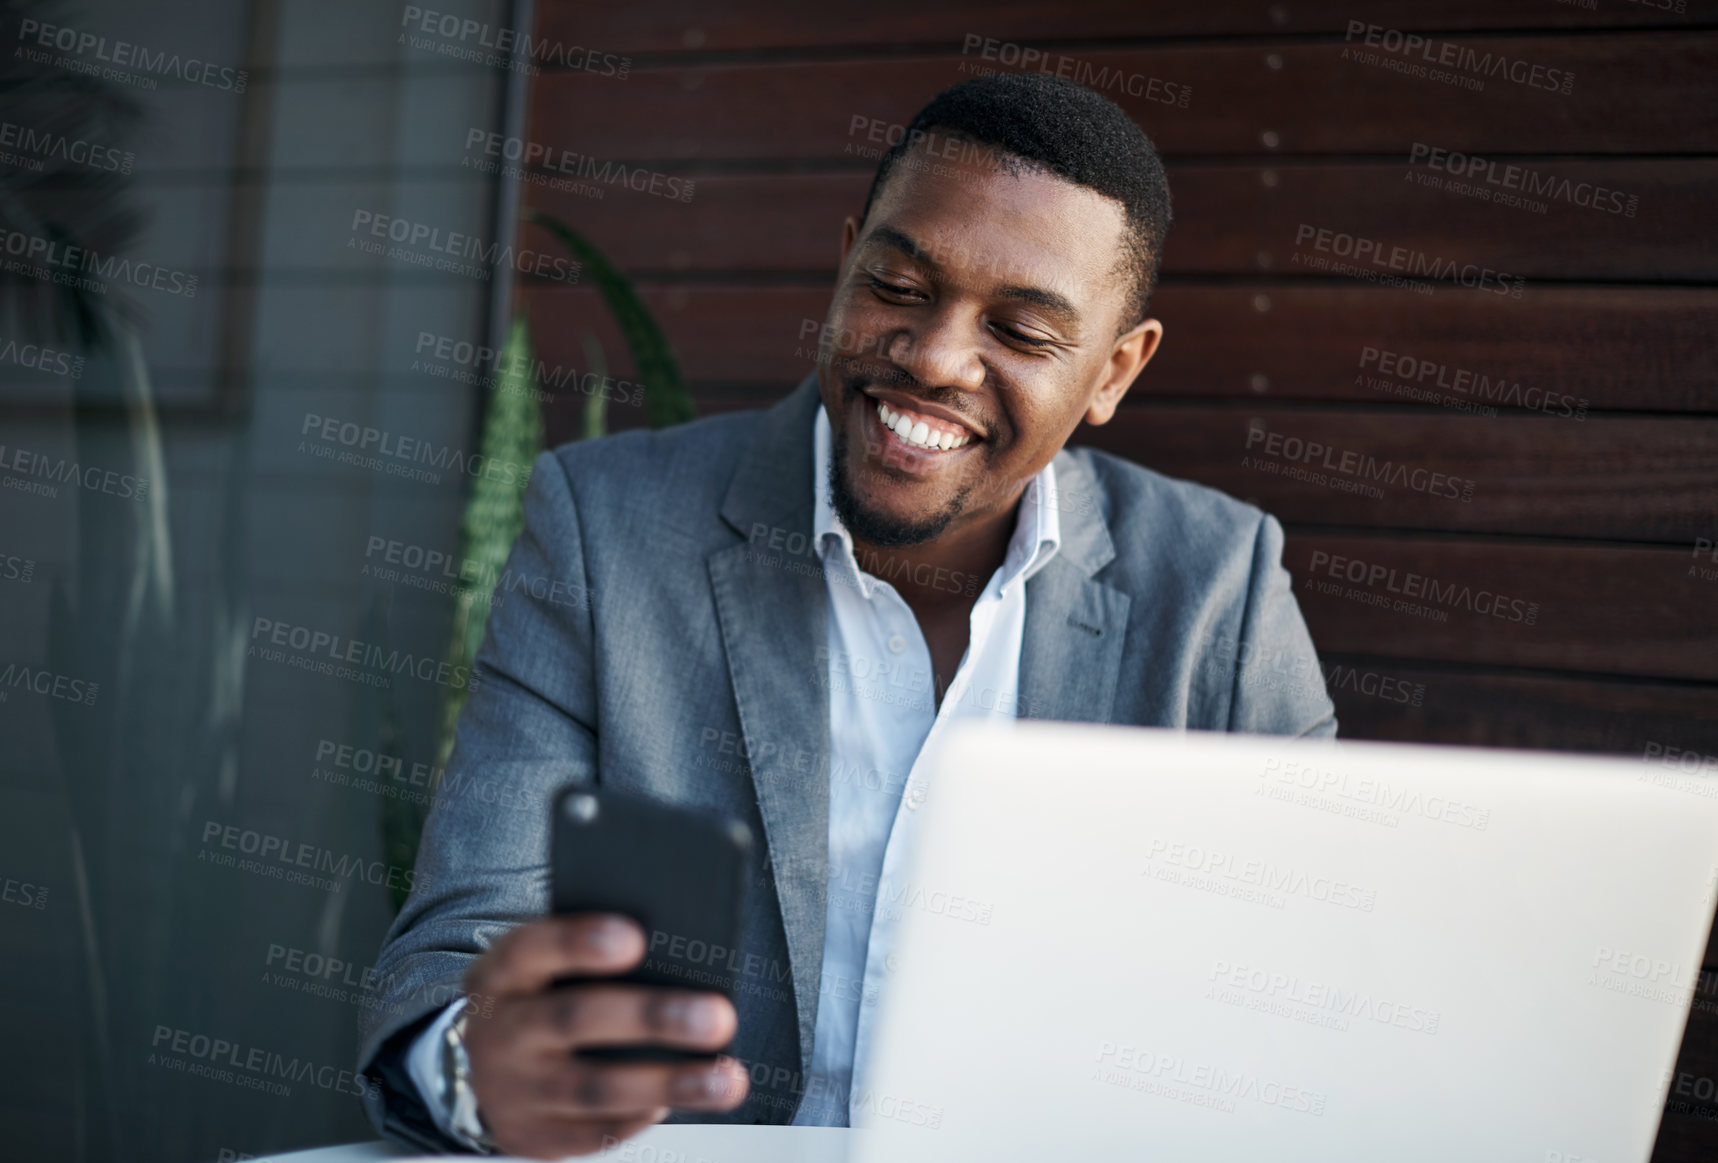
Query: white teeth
{"points": [[919, 434]]}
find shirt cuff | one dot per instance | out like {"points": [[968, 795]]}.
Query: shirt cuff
{"points": [[423, 1063]]}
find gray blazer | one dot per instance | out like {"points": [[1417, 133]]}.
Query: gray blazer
{"points": [[657, 630]]}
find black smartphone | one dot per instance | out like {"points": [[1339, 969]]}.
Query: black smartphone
{"points": [[680, 874]]}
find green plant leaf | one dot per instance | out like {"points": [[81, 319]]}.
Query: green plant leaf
{"points": [[494, 516], [666, 400]]}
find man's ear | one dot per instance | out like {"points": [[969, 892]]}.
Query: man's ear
{"points": [[849, 232], [1131, 353]]}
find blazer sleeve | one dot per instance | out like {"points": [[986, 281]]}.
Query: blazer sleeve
{"points": [[527, 729], [1279, 687]]}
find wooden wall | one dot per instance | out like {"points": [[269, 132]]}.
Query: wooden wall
{"points": [[1592, 509]]}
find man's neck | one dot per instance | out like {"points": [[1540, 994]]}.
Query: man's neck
{"points": [[947, 573]]}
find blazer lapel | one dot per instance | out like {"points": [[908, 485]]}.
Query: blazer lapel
{"points": [[772, 608], [1071, 652]]}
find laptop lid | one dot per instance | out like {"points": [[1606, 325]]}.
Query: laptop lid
{"points": [[1196, 946]]}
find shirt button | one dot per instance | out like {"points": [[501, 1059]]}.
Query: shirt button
{"points": [[892, 963], [896, 644], [915, 797]]}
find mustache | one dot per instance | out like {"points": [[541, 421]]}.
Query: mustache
{"points": [[856, 374]]}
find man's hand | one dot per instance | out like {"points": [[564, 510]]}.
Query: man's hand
{"points": [[537, 1097]]}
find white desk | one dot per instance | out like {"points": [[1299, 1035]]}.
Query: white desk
{"points": [[678, 1143]]}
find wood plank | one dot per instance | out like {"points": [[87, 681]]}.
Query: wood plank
{"points": [[1636, 348], [1670, 728], [1604, 610], [1229, 219], [685, 25], [1645, 348], [1632, 479], [1295, 98], [1633, 225]]}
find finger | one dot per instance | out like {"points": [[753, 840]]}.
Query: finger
{"points": [[580, 1088], [576, 1016], [557, 1138], [526, 959]]}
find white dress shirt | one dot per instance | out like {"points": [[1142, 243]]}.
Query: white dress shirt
{"points": [[882, 711]]}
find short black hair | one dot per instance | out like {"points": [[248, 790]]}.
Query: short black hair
{"points": [[1080, 135]]}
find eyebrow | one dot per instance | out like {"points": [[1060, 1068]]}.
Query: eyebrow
{"points": [[1037, 296]]}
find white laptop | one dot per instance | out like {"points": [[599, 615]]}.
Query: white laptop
{"points": [[1216, 947]]}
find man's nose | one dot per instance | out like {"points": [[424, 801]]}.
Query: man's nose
{"points": [[941, 350]]}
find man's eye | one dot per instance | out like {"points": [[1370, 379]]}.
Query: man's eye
{"points": [[878, 284], [1016, 337]]}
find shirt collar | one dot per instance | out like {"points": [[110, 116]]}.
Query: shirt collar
{"points": [[1037, 525]]}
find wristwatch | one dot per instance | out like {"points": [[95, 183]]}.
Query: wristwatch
{"points": [[457, 1097]]}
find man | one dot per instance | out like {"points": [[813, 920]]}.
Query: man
{"points": [[784, 606]]}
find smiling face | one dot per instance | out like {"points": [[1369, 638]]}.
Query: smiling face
{"points": [[977, 317]]}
